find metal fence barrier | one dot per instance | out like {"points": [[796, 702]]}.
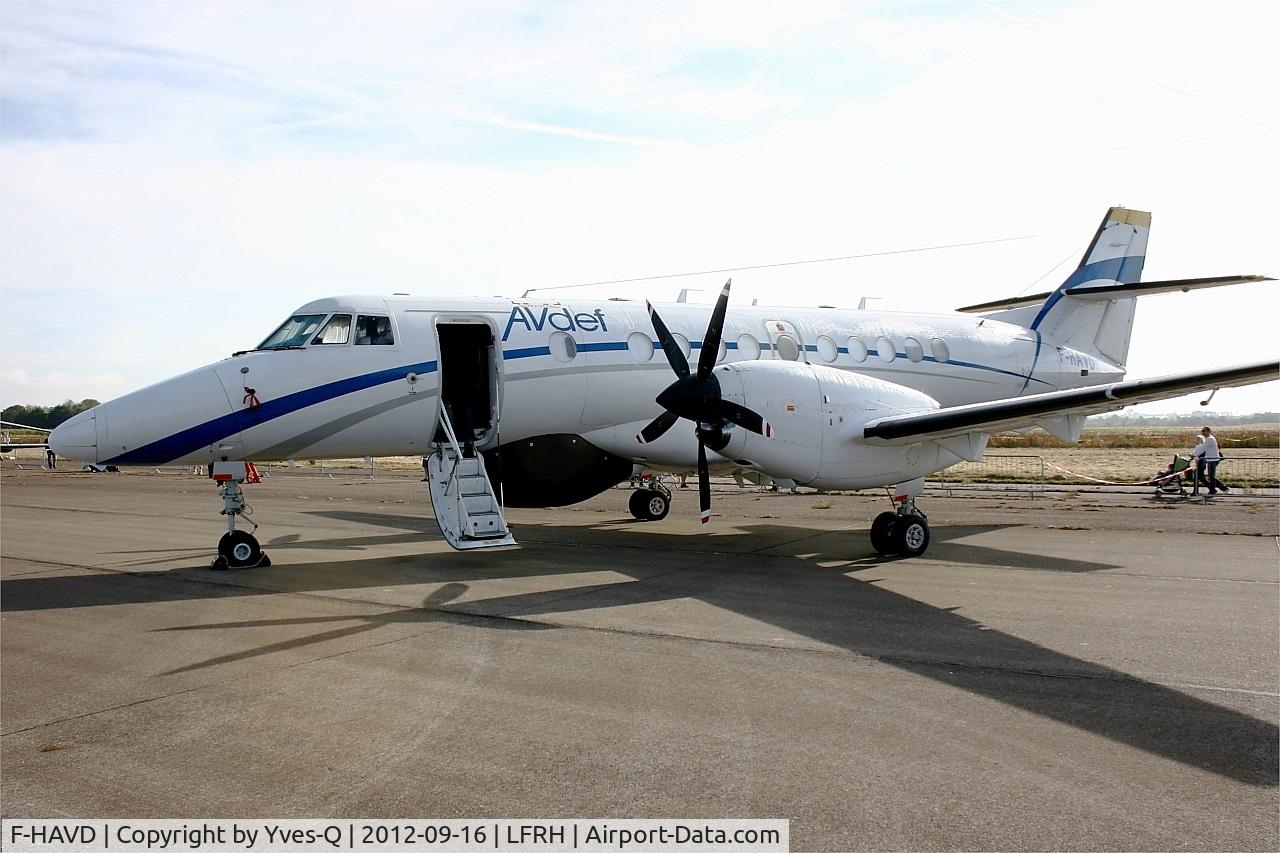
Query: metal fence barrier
{"points": [[1250, 472], [1004, 472]]}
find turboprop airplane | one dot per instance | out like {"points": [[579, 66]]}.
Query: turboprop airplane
{"points": [[531, 404]]}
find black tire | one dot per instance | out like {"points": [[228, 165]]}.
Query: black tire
{"points": [[911, 536], [649, 505], [882, 532], [239, 549]]}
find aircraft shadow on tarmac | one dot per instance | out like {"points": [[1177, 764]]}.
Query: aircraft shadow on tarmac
{"points": [[742, 572]]}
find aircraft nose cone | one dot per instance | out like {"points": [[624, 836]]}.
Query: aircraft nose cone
{"points": [[76, 438]]}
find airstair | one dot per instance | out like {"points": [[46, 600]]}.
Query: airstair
{"points": [[466, 507]]}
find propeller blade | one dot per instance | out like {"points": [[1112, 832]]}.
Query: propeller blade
{"points": [[711, 340], [657, 427], [744, 417], [704, 485], [675, 356]]}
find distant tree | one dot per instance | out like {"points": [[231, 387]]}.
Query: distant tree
{"points": [[46, 417]]}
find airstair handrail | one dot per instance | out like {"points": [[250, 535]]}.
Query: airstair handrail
{"points": [[453, 442]]}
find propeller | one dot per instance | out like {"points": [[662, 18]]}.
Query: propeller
{"points": [[696, 397]]}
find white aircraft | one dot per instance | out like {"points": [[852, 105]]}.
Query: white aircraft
{"points": [[554, 402]]}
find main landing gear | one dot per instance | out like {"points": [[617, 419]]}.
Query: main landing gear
{"points": [[903, 532], [651, 503], [237, 549]]}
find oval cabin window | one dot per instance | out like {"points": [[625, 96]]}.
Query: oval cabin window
{"points": [[827, 349], [640, 346], [941, 352], [563, 347], [683, 343], [857, 350], [913, 349], [886, 350], [788, 348], [748, 347]]}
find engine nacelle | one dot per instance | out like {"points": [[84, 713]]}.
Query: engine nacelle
{"points": [[817, 415]]}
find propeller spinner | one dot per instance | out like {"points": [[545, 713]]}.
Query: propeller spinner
{"points": [[697, 397]]}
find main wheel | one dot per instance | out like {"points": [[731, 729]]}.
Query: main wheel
{"points": [[657, 506], [648, 505], [239, 549], [882, 532], [911, 536]]}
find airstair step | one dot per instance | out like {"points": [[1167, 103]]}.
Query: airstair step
{"points": [[478, 504], [486, 524]]}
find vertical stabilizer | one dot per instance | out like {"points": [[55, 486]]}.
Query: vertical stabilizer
{"points": [[1115, 256]]}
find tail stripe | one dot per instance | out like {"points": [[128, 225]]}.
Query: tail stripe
{"points": [[1125, 270]]}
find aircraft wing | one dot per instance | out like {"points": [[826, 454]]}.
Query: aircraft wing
{"points": [[1017, 412], [1117, 291]]}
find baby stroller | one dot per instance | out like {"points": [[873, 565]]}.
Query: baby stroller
{"points": [[1172, 481]]}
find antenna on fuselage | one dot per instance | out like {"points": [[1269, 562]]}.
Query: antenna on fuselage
{"points": [[684, 294]]}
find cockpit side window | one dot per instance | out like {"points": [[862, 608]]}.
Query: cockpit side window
{"points": [[336, 331], [294, 332], [374, 331]]}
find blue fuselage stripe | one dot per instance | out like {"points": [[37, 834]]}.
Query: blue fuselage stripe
{"points": [[202, 435], [210, 432]]}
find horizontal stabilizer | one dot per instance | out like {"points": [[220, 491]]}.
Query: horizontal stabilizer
{"points": [[1018, 412], [1117, 291]]}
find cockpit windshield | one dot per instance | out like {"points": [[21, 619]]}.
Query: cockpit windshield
{"points": [[294, 332]]}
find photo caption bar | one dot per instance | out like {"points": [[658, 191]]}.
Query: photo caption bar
{"points": [[439, 836]]}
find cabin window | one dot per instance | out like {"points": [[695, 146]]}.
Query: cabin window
{"points": [[640, 345], [563, 347], [748, 347], [913, 349], [294, 332], [722, 352], [857, 349], [941, 352], [683, 343], [787, 348], [373, 331], [886, 350], [336, 331], [827, 349]]}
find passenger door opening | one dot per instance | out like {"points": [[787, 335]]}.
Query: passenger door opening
{"points": [[468, 381]]}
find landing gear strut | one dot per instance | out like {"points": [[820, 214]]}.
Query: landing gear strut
{"points": [[651, 503], [904, 532], [237, 549]]}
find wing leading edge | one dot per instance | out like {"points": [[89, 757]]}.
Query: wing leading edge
{"points": [[1017, 412]]}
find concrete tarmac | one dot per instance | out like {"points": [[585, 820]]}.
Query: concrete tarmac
{"points": [[1065, 672]]}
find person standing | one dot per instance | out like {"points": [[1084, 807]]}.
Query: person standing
{"points": [[51, 458], [1207, 464]]}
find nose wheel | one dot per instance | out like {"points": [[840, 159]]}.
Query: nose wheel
{"points": [[237, 549]]}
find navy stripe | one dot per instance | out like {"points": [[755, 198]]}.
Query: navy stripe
{"points": [[527, 352], [202, 435], [188, 440]]}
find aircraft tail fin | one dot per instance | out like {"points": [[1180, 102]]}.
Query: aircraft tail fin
{"points": [[1099, 327]]}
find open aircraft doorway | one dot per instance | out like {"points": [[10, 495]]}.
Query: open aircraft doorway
{"points": [[470, 382]]}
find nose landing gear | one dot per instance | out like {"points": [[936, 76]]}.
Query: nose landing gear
{"points": [[237, 549]]}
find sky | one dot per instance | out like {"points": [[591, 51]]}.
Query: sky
{"points": [[177, 177]]}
